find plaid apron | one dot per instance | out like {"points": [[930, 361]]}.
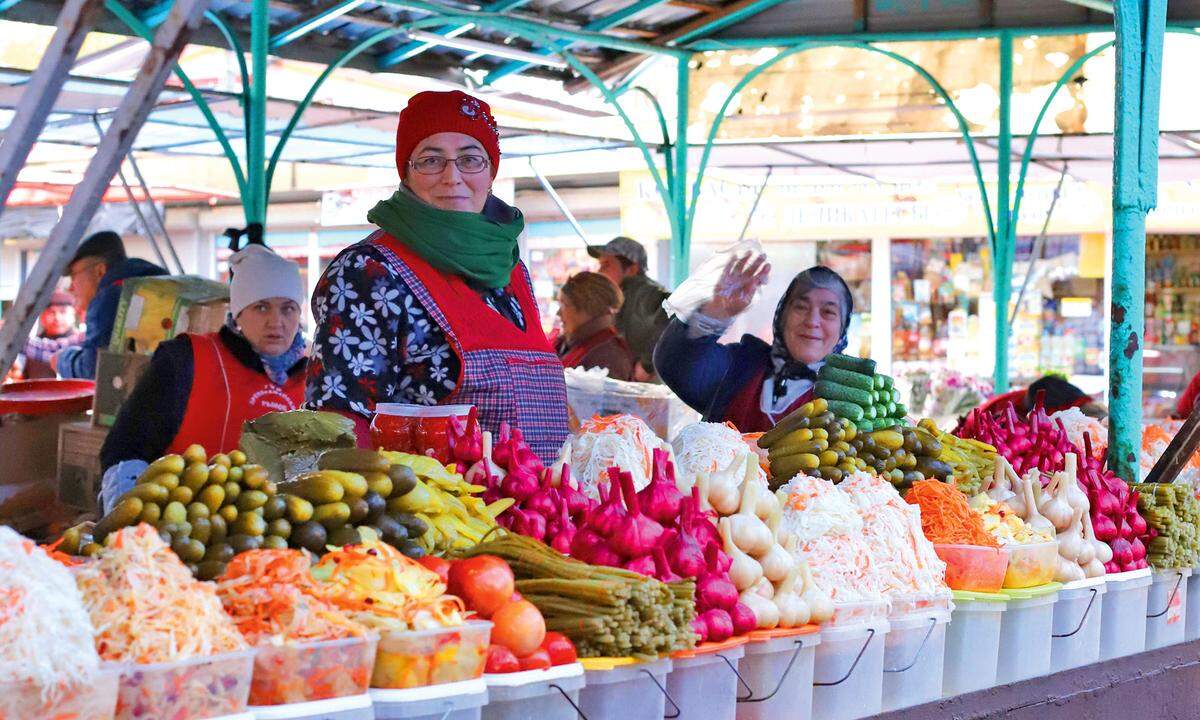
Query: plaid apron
{"points": [[510, 375]]}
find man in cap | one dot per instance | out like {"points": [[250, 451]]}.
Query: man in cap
{"points": [[58, 332], [641, 319]]}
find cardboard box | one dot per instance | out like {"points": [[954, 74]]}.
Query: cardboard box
{"points": [[116, 375], [79, 465], [27, 486], [155, 309]]}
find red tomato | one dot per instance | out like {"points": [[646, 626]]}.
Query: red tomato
{"points": [[537, 660], [500, 660], [560, 648], [519, 626], [484, 583], [441, 566]]}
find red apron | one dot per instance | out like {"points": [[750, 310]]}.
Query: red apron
{"points": [[225, 394], [510, 375], [745, 409]]}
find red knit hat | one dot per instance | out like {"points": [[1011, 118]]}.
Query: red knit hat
{"points": [[429, 113]]}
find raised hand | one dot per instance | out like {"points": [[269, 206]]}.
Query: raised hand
{"points": [[741, 279]]}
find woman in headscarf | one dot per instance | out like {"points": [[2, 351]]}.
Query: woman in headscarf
{"points": [[750, 383], [435, 307]]}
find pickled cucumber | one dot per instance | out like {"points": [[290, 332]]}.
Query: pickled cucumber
{"points": [[317, 487], [357, 460], [331, 515], [174, 512], [299, 510], [194, 454], [126, 513], [250, 500]]}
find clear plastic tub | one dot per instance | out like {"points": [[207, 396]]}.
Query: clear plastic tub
{"points": [[1123, 631], [96, 701], [1031, 565], [913, 656], [1078, 616], [431, 657], [204, 687], [919, 602], [973, 567], [1191, 629], [856, 613], [625, 689], [1025, 630], [1166, 608], [551, 694], [848, 671], [778, 670], [353, 707], [705, 683], [304, 672], [973, 642], [448, 701]]}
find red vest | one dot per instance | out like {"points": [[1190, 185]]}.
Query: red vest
{"points": [[745, 409], [225, 394]]}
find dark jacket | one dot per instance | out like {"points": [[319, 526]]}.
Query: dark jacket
{"points": [[642, 319], [80, 361], [610, 352], [707, 374], [152, 415]]}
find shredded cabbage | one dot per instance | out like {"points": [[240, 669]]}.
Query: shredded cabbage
{"points": [[703, 448], [621, 440]]}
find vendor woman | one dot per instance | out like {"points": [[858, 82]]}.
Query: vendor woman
{"points": [[435, 307], [201, 388], [750, 383]]}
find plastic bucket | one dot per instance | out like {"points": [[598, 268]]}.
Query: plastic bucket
{"points": [[551, 694], [705, 684], [354, 707], [1078, 616], [913, 655], [848, 671], [448, 701], [1166, 608], [972, 643], [628, 690], [1191, 629], [1123, 631], [778, 673], [1025, 630]]}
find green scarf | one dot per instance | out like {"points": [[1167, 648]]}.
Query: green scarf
{"points": [[480, 249]]}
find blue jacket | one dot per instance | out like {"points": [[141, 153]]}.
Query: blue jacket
{"points": [[707, 374], [80, 361]]}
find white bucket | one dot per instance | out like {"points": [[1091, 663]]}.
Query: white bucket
{"points": [[912, 659], [448, 701], [972, 645], [1078, 616], [551, 694], [1166, 608], [628, 692], [354, 707], [1123, 631], [779, 675], [1191, 630], [706, 685], [1025, 630], [848, 671]]}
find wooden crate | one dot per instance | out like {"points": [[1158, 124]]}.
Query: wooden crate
{"points": [[79, 464]]}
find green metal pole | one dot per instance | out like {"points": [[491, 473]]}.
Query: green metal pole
{"points": [[256, 110], [1140, 26], [681, 243], [1002, 251]]}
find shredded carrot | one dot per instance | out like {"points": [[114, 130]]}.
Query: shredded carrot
{"points": [[946, 516], [63, 558]]}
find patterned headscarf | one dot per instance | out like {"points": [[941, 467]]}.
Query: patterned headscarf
{"points": [[786, 368]]}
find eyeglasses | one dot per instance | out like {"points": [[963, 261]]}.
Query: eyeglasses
{"points": [[434, 165]]}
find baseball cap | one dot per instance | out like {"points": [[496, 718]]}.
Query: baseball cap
{"points": [[627, 248], [61, 297]]}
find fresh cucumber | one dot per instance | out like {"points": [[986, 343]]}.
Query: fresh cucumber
{"points": [[850, 411], [848, 378], [836, 391], [865, 366]]}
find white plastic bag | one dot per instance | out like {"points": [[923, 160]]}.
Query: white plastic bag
{"points": [[698, 288]]}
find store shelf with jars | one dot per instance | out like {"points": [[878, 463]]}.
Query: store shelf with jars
{"points": [[1172, 319]]}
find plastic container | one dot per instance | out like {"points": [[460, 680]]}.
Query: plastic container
{"points": [[418, 429], [973, 567], [704, 682], [856, 613], [848, 671], [1078, 616], [353, 707], [973, 642], [1031, 565], [204, 687], [430, 657], [551, 694], [1123, 631], [96, 701], [625, 689], [777, 671], [304, 672], [448, 701], [913, 656], [1025, 630], [1166, 607], [1191, 630]]}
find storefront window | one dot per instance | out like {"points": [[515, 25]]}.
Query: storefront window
{"points": [[1172, 319]]}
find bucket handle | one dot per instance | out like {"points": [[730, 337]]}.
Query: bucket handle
{"points": [[1083, 619], [666, 694], [870, 637], [779, 686], [1170, 598], [567, 697], [738, 675], [917, 656]]}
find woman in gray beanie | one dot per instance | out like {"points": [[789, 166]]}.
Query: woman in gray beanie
{"points": [[750, 383]]}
